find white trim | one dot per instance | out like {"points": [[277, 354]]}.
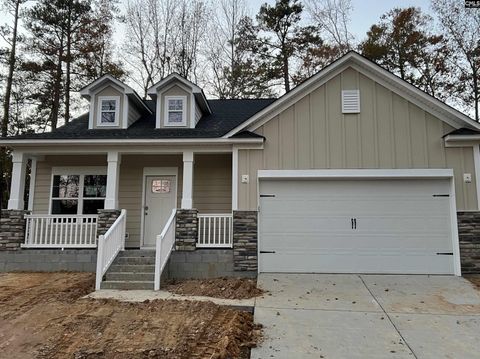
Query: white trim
{"points": [[192, 111], [357, 173], [476, 161], [172, 77], [33, 178], [384, 77], [187, 182], [17, 186], [117, 111], [154, 171], [235, 179], [166, 111], [374, 174], [126, 109], [113, 180], [90, 114], [129, 141]]}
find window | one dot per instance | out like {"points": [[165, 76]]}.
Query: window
{"points": [[175, 111], [108, 110], [161, 186], [78, 193]]}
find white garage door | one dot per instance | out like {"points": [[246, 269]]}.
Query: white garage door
{"points": [[355, 226]]}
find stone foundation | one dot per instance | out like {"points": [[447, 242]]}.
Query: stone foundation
{"points": [[203, 263], [49, 260], [12, 229], [469, 238], [186, 229], [106, 218], [245, 239]]}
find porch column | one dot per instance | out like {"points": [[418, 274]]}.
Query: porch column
{"points": [[17, 187], [187, 201], [113, 176]]}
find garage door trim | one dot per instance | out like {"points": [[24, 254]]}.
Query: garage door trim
{"points": [[371, 174]]}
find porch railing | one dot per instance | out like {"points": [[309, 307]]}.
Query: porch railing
{"points": [[215, 231], [109, 245], [163, 248], [60, 231]]}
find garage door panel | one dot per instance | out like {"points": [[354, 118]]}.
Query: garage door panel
{"points": [[397, 222]]}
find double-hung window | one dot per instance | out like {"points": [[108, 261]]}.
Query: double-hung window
{"points": [[79, 191], [175, 111], [108, 110]]}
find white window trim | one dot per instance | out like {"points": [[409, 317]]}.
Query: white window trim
{"points": [[117, 111], [166, 111], [80, 171]]}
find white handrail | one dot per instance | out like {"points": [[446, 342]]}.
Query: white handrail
{"points": [[215, 231], [109, 245], [60, 231], [163, 247]]}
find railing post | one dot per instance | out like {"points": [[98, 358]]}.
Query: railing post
{"points": [[124, 229], [156, 285], [99, 274]]}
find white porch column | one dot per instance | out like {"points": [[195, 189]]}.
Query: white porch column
{"points": [[113, 177], [33, 178], [476, 159], [187, 196], [17, 187]]}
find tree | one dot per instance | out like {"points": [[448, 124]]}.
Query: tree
{"points": [[461, 29], [278, 38], [333, 17], [403, 44]]}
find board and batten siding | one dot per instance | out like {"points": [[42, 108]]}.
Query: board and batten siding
{"points": [[389, 133]]}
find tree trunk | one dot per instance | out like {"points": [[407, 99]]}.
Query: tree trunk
{"points": [[68, 62], [57, 89], [476, 94], [11, 69], [286, 78]]}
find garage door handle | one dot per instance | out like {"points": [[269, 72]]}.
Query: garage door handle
{"points": [[445, 254], [267, 252], [354, 223]]}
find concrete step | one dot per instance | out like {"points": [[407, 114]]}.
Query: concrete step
{"points": [[135, 268], [134, 260], [127, 285], [130, 276], [137, 253]]}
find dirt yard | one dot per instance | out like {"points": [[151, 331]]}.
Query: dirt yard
{"points": [[475, 279], [43, 316], [227, 288]]}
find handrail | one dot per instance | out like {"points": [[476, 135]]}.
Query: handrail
{"points": [[163, 247], [109, 244]]}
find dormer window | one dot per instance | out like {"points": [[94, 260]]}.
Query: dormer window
{"points": [[108, 110], [175, 113]]}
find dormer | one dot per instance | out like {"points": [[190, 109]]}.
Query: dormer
{"points": [[179, 102], [113, 105]]}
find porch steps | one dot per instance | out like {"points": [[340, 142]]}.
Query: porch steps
{"points": [[132, 269]]}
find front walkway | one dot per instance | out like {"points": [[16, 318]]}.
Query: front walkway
{"points": [[367, 316]]}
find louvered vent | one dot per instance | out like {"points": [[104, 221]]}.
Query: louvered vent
{"points": [[350, 101]]}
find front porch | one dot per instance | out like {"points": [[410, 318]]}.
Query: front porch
{"points": [[73, 200]]}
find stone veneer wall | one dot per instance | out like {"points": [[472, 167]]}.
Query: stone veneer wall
{"points": [[106, 217], [186, 229], [469, 238], [245, 238], [12, 229]]}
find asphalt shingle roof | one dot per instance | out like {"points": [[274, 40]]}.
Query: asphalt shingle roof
{"points": [[225, 116]]}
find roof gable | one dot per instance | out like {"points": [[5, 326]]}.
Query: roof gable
{"points": [[368, 68]]}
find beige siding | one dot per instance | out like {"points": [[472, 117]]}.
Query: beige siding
{"points": [[108, 91], [212, 179], [43, 181], [389, 132]]}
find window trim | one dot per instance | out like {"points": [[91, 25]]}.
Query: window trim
{"points": [[117, 111], [166, 111], [75, 171]]}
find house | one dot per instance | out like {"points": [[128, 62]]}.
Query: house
{"points": [[353, 171]]}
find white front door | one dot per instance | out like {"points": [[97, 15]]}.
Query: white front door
{"points": [[356, 226], [160, 199]]}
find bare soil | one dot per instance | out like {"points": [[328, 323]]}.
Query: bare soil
{"points": [[226, 288], [42, 315], [475, 279]]}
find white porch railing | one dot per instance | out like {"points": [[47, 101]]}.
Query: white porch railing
{"points": [[163, 248], [109, 245], [60, 231], [215, 231]]}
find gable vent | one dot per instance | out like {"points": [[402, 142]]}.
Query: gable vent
{"points": [[350, 101]]}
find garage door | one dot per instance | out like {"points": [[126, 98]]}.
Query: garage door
{"points": [[355, 226]]}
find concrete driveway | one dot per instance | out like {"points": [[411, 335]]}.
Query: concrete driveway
{"points": [[367, 316]]}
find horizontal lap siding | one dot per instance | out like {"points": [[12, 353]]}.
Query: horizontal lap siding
{"points": [[389, 132]]}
